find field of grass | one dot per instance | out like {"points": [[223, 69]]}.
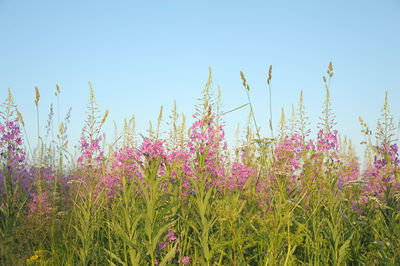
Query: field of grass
{"points": [[186, 198]]}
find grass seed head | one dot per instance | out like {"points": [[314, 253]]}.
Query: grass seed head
{"points": [[57, 90], [20, 118], [269, 74], [37, 96], [105, 117], [243, 78]]}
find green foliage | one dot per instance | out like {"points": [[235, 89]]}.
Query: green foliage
{"points": [[279, 216]]}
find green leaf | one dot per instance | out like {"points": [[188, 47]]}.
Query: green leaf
{"points": [[169, 255], [343, 250], [115, 257], [158, 235]]}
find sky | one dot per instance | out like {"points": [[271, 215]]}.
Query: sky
{"points": [[139, 55]]}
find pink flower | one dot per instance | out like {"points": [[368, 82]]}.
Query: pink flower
{"points": [[185, 260], [39, 205], [171, 236]]}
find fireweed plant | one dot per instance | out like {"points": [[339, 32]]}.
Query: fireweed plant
{"points": [[183, 197]]}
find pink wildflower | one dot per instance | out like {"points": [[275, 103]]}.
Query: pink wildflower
{"points": [[185, 260], [171, 236]]}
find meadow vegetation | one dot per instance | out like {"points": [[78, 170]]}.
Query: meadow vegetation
{"points": [[183, 197]]}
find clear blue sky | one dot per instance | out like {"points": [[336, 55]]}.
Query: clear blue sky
{"points": [[140, 55]]}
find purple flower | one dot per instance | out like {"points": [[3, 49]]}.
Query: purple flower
{"points": [[163, 244]]}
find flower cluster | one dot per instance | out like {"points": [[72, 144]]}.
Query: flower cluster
{"points": [[11, 144], [384, 170], [207, 145], [39, 205], [90, 151], [240, 174], [327, 141]]}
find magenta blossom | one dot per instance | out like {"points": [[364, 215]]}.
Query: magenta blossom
{"points": [[185, 260]]}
